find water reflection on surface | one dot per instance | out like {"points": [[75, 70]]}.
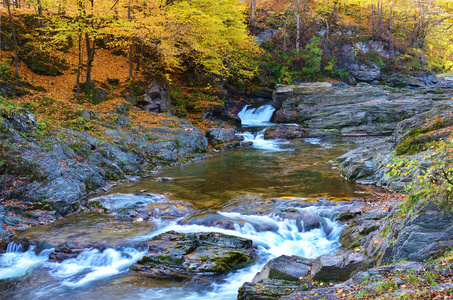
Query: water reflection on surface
{"points": [[303, 172]]}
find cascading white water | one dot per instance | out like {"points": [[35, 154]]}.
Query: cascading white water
{"points": [[259, 142], [16, 263], [282, 236], [285, 238], [259, 116]]}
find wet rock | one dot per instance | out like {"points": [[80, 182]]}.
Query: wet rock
{"points": [[269, 289], [119, 202], [177, 254], [163, 179], [285, 132], [284, 267], [339, 267], [22, 120], [285, 116]]}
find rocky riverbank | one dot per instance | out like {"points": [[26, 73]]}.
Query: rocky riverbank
{"points": [[48, 170]]}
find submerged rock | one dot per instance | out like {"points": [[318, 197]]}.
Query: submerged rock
{"points": [[119, 202], [181, 255]]}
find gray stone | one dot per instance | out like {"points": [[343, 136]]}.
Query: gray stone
{"points": [[426, 234], [123, 121], [118, 202], [339, 267], [326, 109], [85, 114], [218, 136], [285, 268], [22, 120]]}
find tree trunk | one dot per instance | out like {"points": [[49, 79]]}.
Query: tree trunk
{"points": [[90, 58], [138, 52], [41, 21], [253, 13], [373, 21], [391, 33], [79, 67], [16, 68], [131, 66], [298, 26]]}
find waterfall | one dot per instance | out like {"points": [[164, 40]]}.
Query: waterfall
{"points": [[259, 116]]}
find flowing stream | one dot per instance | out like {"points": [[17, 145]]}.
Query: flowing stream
{"points": [[226, 186]]}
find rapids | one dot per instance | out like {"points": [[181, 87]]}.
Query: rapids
{"points": [[227, 186]]}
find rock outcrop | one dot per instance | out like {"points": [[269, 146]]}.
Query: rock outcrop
{"points": [[156, 97], [338, 109]]}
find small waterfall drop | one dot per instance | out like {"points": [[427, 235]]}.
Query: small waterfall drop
{"points": [[16, 263], [259, 142], [259, 116]]}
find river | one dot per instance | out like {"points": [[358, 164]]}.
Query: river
{"points": [[187, 198]]}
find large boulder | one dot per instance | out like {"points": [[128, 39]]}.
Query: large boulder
{"points": [[338, 267], [326, 109], [156, 97], [290, 268], [218, 136], [181, 255]]}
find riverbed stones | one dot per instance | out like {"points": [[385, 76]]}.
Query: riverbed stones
{"points": [[187, 254], [119, 202]]}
